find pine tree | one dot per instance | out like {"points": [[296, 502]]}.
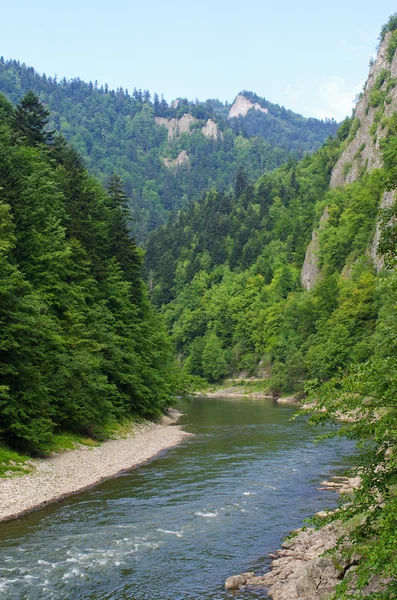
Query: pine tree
{"points": [[30, 120], [121, 244]]}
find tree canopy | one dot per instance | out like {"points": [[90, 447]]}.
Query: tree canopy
{"points": [[80, 345]]}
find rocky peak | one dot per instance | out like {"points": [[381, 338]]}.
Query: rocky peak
{"points": [[242, 105]]}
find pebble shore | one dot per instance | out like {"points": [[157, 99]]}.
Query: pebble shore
{"points": [[62, 475]]}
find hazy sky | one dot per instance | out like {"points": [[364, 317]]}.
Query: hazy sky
{"points": [[309, 56]]}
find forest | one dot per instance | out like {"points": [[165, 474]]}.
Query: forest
{"points": [[81, 347], [226, 241], [115, 131], [227, 275]]}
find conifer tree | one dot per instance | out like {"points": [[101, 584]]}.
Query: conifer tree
{"points": [[30, 120], [121, 244]]}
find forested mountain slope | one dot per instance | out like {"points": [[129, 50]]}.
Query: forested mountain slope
{"points": [[294, 277], [166, 154], [234, 271], [80, 346]]}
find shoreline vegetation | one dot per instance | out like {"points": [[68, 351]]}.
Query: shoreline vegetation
{"points": [[62, 475]]}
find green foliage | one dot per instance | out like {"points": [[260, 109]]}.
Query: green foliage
{"points": [[367, 396], [80, 345], [116, 132], [12, 463], [230, 266], [391, 47], [213, 358], [360, 388], [391, 25]]}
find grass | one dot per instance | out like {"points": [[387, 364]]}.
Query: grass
{"points": [[13, 463], [69, 441]]}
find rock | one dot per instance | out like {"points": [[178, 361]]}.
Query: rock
{"points": [[242, 105], [181, 159], [310, 270], [211, 130], [237, 581], [318, 579], [362, 153], [298, 571], [176, 127]]}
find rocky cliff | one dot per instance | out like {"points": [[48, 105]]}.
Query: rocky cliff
{"points": [[362, 151], [176, 127]]}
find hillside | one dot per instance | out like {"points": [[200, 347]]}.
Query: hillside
{"points": [[237, 267], [293, 279], [166, 154]]}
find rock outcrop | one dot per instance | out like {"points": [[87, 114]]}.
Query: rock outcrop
{"points": [[176, 127], [387, 201], [242, 105], [180, 160], [362, 153], [298, 571], [311, 270], [211, 130]]}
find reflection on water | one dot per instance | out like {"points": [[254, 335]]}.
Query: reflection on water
{"points": [[177, 527]]}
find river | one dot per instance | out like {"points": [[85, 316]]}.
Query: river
{"points": [[178, 526]]}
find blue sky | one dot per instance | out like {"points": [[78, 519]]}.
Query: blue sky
{"points": [[309, 56]]}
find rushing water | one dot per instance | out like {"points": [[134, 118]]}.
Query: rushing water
{"points": [[177, 527]]}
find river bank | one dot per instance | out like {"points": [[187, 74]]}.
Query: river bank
{"points": [[245, 388], [299, 571], [57, 477]]}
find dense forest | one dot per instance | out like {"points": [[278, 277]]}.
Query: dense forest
{"points": [[115, 131], [227, 273], [229, 276], [80, 346]]}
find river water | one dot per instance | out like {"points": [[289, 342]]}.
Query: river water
{"points": [[178, 526]]}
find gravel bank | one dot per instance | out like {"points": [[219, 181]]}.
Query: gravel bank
{"points": [[65, 474]]}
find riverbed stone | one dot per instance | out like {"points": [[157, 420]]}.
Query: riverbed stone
{"points": [[237, 581]]}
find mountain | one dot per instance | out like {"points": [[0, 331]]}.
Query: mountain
{"points": [[166, 154], [240, 265], [294, 279]]}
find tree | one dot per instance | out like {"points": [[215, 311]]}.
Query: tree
{"points": [[121, 244], [213, 358], [30, 120]]}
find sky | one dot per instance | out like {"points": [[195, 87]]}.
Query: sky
{"points": [[309, 56]]}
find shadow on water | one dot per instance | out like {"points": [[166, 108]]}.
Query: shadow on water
{"points": [[178, 526]]}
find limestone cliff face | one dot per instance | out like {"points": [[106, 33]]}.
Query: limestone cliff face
{"points": [[310, 270], [176, 126], [211, 130], [242, 105], [362, 153]]}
